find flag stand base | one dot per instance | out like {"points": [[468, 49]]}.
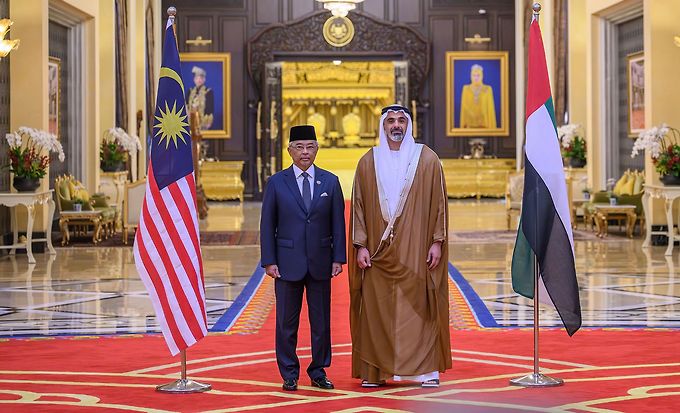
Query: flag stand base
{"points": [[183, 386], [536, 380]]}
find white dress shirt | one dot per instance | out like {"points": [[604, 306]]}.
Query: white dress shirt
{"points": [[299, 178]]}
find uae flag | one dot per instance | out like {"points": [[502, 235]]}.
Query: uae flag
{"points": [[545, 225]]}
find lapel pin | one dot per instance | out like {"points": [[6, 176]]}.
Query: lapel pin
{"points": [[318, 182]]}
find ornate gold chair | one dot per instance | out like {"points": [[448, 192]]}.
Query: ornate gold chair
{"points": [[95, 212], [351, 126], [513, 194], [319, 122], [133, 197]]}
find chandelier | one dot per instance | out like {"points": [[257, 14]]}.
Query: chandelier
{"points": [[6, 45], [339, 8]]}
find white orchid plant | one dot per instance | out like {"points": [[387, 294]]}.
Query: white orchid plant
{"points": [[29, 151], [662, 143], [115, 146], [650, 139], [566, 133], [129, 143], [573, 145]]}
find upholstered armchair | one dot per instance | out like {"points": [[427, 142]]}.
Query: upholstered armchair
{"points": [[133, 197], [635, 199], [513, 194]]}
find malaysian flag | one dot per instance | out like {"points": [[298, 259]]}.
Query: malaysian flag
{"points": [[167, 250]]}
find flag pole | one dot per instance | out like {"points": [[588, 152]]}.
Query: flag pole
{"points": [[536, 379], [183, 385]]}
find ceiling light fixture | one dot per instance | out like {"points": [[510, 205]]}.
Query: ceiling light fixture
{"points": [[340, 8]]}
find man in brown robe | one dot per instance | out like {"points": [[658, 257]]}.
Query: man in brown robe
{"points": [[399, 309]]}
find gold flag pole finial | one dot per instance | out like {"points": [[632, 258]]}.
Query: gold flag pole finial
{"points": [[537, 9], [172, 12]]}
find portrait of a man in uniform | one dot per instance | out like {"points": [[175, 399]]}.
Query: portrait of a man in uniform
{"points": [[201, 98], [207, 87]]}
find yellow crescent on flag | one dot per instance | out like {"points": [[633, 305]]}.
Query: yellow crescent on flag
{"points": [[167, 72]]}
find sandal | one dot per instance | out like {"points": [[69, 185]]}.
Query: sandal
{"points": [[366, 384], [430, 383]]}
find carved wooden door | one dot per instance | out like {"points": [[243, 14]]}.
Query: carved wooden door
{"points": [[401, 83], [270, 139]]}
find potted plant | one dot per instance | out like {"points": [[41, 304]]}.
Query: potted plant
{"points": [[663, 144], [611, 183], [115, 149], [573, 144], [29, 156], [77, 204], [586, 193]]}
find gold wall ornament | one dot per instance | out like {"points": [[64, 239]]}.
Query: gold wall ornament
{"points": [[6, 45], [477, 39], [198, 41], [338, 31], [676, 40]]}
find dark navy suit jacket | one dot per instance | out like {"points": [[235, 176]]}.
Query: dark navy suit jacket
{"points": [[297, 240]]}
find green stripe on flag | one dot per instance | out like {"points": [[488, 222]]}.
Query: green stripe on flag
{"points": [[551, 110], [523, 266]]}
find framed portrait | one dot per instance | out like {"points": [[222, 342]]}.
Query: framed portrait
{"points": [[636, 93], [207, 87], [53, 98], [477, 101]]}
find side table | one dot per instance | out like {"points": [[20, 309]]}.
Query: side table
{"points": [[575, 204], [29, 200], [80, 218], [605, 212], [669, 194]]}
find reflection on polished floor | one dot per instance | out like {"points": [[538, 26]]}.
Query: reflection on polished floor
{"points": [[96, 291]]}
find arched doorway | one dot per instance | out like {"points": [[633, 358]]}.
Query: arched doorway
{"points": [[281, 58]]}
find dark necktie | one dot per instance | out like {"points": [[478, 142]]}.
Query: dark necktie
{"points": [[306, 190]]}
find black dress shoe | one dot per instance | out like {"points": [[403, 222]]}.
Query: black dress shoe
{"points": [[323, 383], [290, 385]]}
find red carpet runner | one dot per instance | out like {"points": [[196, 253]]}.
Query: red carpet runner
{"points": [[611, 370], [619, 370]]}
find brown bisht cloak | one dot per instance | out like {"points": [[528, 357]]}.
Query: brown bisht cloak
{"points": [[399, 310]]}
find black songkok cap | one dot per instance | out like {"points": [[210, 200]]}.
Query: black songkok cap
{"points": [[396, 108], [302, 133]]}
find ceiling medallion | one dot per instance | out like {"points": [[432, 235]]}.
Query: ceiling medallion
{"points": [[338, 31]]}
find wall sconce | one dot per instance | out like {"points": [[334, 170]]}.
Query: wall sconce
{"points": [[6, 45], [339, 8]]}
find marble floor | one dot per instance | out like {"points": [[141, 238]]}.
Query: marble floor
{"points": [[96, 291]]}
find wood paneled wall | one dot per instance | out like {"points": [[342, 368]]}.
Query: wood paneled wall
{"points": [[446, 23]]}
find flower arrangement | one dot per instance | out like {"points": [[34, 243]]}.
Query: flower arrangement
{"points": [[29, 152], [115, 147], [662, 142], [573, 145]]}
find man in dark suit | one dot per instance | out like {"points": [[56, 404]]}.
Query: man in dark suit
{"points": [[302, 240]]}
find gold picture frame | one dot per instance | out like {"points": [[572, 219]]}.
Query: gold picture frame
{"points": [[53, 94], [215, 125], [635, 73], [477, 110]]}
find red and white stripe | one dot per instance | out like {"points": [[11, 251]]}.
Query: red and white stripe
{"points": [[168, 260]]}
